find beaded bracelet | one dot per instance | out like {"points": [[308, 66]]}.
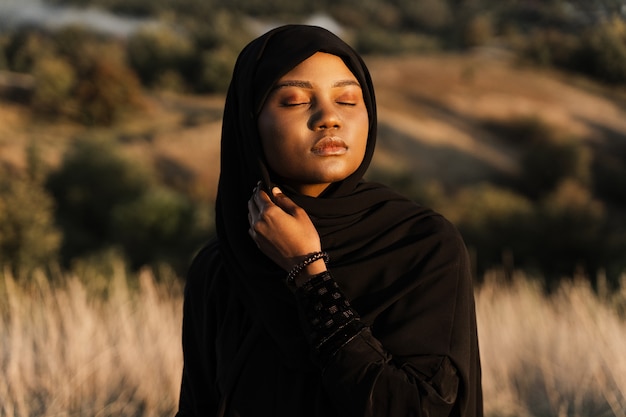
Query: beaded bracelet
{"points": [[295, 271]]}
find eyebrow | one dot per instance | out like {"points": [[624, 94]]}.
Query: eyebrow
{"points": [[308, 85]]}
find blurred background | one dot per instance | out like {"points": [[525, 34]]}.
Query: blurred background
{"points": [[507, 116]]}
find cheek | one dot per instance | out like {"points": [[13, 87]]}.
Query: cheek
{"points": [[274, 142], [268, 134], [363, 133]]}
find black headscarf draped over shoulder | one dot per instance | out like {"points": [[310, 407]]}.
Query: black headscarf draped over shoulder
{"points": [[263, 62], [387, 253]]}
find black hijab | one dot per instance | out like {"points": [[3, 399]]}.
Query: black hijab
{"points": [[377, 240]]}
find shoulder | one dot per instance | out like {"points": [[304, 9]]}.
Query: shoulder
{"points": [[420, 221], [433, 238], [439, 227], [205, 268]]}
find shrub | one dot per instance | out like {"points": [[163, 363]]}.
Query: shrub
{"points": [[599, 51], [24, 48], [93, 179], [55, 80], [28, 237], [495, 223], [602, 52], [432, 15], [216, 67], [551, 47], [158, 226], [378, 41], [107, 89], [156, 50], [570, 230], [106, 201], [477, 31], [548, 161], [610, 174]]}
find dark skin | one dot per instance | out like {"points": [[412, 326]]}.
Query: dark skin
{"points": [[284, 232], [313, 129]]}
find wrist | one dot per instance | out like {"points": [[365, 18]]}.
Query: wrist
{"points": [[310, 271], [308, 266]]}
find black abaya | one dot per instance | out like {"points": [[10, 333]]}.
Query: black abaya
{"points": [[403, 267]]}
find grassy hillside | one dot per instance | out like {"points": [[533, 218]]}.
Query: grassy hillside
{"points": [[443, 110], [454, 131], [437, 115]]}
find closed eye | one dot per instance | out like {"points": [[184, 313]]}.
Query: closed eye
{"points": [[295, 104]]}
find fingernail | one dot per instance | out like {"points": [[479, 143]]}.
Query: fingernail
{"points": [[276, 191]]}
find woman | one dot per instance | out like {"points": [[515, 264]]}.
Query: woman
{"points": [[323, 294]]}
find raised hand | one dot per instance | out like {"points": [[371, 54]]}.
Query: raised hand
{"points": [[283, 231]]}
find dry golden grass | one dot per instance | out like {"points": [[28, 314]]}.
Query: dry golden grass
{"points": [[66, 352], [558, 355]]}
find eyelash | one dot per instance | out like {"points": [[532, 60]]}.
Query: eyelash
{"points": [[344, 103]]}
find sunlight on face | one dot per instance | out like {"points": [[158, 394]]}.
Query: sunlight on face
{"points": [[314, 124]]}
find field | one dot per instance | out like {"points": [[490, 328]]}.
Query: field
{"points": [[107, 343], [68, 352]]}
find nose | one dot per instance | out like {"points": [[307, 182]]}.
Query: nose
{"points": [[325, 116]]}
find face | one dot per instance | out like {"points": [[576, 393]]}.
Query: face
{"points": [[314, 124]]}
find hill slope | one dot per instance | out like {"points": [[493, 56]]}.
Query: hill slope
{"points": [[436, 118]]}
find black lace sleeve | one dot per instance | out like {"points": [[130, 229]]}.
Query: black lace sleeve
{"points": [[328, 319]]}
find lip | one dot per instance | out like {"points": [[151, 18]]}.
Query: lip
{"points": [[329, 146]]}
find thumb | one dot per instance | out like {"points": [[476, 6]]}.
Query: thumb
{"points": [[283, 201]]}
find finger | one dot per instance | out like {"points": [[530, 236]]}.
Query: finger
{"points": [[253, 211], [284, 202], [261, 199]]}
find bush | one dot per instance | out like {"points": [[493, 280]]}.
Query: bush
{"points": [[610, 174], [570, 232], [551, 47], [28, 237], [377, 41], [156, 50], [599, 51], [24, 48], [548, 161], [602, 52], [106, 201], [55, 80], [477, 31], [158, 226], [495, 223], [93, 179], [216, 68], [431, 15]]}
